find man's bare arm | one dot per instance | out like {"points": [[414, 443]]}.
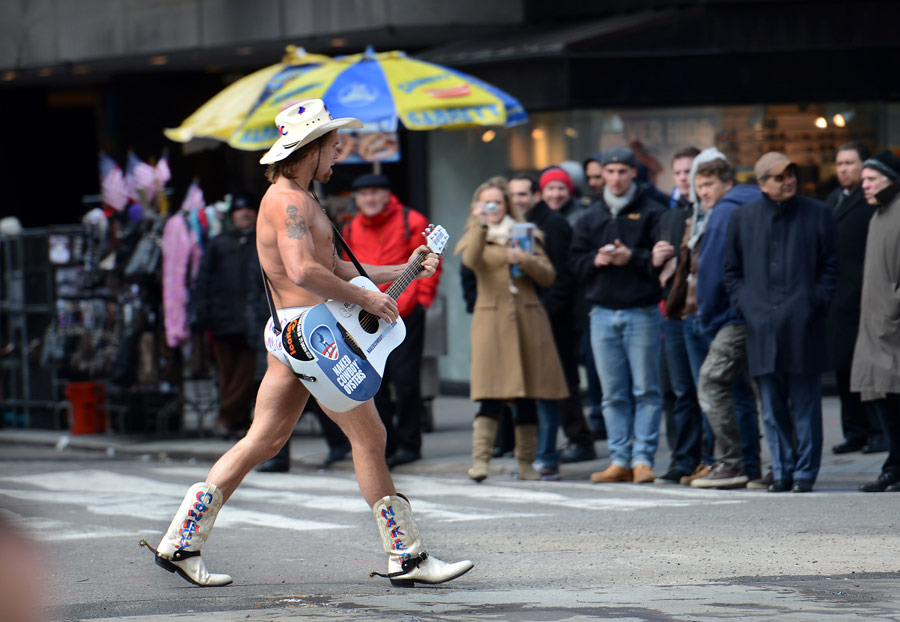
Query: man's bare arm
{"points": [[388, 274], [297, 251]]}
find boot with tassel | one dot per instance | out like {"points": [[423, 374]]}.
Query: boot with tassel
{"points": [[526, 450], [408, 563], [179, 550], [484, 429]]}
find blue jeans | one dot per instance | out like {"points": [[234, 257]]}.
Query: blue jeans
{"points": [[626, 345], [687, 417], [802, 419], [697, 345], [748, 425], [548, 429]]}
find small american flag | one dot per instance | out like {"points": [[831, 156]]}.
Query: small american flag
{"points": [[193, 200], [112, 184], [141, 176]]}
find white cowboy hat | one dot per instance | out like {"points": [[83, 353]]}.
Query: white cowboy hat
{"points": [[301, 124]]}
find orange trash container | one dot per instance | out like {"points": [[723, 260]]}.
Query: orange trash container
{"points": [[87, 415]]}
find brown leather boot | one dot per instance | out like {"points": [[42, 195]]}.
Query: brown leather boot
{"points": [[526, 450], [484, 429], [613, 473]]}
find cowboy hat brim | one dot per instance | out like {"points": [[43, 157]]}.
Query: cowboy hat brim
{"points": [[284, 147]]}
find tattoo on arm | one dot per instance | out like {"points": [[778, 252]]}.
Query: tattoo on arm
{"points": [[296, 225]]}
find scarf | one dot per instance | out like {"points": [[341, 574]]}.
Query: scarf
{"points": [[500, 232], [617, 204]]}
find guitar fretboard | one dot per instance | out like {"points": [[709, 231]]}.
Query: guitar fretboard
{"points": [[368, 321]]}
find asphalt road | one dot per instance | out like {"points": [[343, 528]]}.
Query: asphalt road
{"points": [[300, 546]]}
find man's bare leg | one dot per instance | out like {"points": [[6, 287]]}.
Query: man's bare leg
{"points": [[408, 561], [279, 404], [367, 437]]}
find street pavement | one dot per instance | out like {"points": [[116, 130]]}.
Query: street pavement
{"points": [[300, 544]]}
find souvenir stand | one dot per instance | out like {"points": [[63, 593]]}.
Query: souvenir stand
{"points": [[82, 341]]}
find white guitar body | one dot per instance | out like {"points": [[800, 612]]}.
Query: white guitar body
{"points": [[338, 350]]}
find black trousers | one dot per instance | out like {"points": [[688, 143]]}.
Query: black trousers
{"points": [[859, 420], [524, 411], [888, 409], [571, 413], [402, 409]]}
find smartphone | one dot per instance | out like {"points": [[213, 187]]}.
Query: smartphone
{"points": [[608, 248]]}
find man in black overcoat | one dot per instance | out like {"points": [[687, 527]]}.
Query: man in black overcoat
{"points": [[852, 214], [781, 268]]}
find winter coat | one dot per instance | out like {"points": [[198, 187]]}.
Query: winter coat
{"points": [[876, 359], [388, 238], [635, 284], [228, 297], [557, 299], [780, 273], [513, 352], [851, 217], [672, 230], [714, 309]]}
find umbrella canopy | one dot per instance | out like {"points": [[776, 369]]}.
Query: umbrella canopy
{"points": [[223, 114], [380, 89]]}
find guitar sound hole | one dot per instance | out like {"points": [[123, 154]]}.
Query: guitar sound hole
{"points": [[368, 322]]}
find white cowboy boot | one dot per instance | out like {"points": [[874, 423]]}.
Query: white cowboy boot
{"points": [[179, 550], [408, 563]]}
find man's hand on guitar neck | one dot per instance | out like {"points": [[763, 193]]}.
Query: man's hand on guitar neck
{"points": [[429, 266]]}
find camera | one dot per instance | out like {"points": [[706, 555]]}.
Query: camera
{"points": [[491, 207]]}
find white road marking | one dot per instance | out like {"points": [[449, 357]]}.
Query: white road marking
{"points": [[298, 501]]}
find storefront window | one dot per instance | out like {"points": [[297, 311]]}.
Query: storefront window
{"points": [[809, 134]]}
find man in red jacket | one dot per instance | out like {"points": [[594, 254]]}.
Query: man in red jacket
{"points": [[384, 231]]}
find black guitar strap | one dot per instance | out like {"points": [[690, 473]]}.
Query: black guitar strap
{"points": [[276, 323]]}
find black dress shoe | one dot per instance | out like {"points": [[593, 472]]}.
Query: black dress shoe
{"points": [[403, 456], [578, 453], [848, 446], [875, 447], [802, 485], [780, 485], [884, 481]]}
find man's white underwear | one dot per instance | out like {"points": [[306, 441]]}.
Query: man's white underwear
{"points": [[273, 340]]}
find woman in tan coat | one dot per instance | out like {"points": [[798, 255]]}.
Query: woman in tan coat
{"points": [[514, 358]]}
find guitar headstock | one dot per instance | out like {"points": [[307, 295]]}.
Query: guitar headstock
{"points": [[436, 238]]}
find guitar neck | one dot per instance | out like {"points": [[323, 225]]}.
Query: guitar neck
{"points": [[406, 277]]}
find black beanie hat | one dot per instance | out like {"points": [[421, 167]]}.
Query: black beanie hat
{"points": [[885, 162], [371, 180]]}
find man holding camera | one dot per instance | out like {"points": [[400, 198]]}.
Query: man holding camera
{"points": [[612, 255]]}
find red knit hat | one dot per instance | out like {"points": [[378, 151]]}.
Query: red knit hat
{"points": [[556, 174]]}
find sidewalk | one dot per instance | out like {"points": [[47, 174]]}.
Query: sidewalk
{"points": [[446, 451]]}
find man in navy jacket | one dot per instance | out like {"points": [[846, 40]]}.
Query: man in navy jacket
{"points": [[781, 273]]}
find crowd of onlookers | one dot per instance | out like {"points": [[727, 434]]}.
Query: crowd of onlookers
{"points": [[707, 308]]}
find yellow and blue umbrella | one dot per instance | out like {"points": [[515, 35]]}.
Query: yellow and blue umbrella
{"points": [[380, 89], [222, 115]]}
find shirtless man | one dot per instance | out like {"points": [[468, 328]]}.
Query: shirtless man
{"points": [[296, 250]]}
